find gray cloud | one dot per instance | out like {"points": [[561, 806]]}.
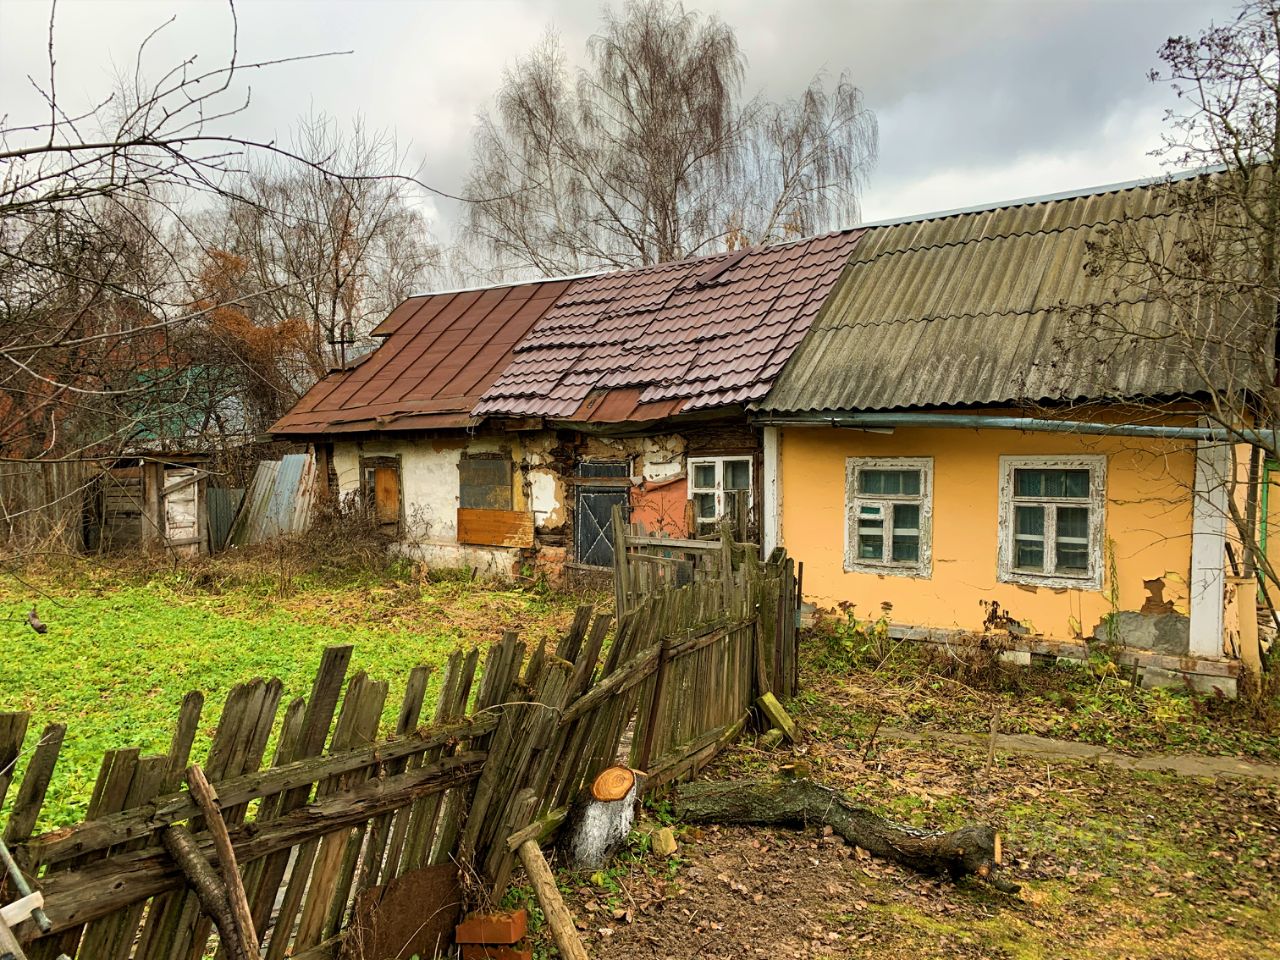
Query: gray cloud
{"points": [[977, 101]]}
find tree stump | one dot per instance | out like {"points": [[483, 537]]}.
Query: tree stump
{"points": [[601, 818]]}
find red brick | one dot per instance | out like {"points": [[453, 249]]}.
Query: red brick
{"points": [[493, 928]]}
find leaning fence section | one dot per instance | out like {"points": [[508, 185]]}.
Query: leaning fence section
{"points": [[336, 814]]}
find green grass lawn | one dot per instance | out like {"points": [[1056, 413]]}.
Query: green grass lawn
{"points": [[122, 650]]}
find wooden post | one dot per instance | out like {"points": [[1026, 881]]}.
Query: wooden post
{"points": [[544, 886], [620, 586], [207, 800]]}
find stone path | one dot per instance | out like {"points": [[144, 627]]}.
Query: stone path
{"points": [[1184, 765]]}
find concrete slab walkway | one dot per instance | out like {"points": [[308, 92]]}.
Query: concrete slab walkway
{"points": [[1182, 764]]}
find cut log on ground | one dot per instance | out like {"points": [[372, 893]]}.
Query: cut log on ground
{"points": [[544, 886], [969, 851]]}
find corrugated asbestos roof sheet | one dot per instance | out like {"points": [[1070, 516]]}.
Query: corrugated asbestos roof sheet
{"points": [[644, 344], [978, 307], [440, 353]]}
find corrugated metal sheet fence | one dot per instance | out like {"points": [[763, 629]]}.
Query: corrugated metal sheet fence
{"points": [[278, 501]]}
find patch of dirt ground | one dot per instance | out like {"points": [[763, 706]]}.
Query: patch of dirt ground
{"points": [[1112, 863]]}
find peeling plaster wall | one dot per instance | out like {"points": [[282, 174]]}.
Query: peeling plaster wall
{"points": [[429, 496], [1148, 519], [545, 463]]}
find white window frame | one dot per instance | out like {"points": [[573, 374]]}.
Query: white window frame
{"points": [[718, 462], [1096, 501], [853, 501]]}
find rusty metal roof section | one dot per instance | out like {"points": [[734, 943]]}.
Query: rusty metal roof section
{"points": [[440, 352], [981, 307], [644, 344]]}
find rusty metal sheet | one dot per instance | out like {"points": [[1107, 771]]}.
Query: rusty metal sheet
{"points": [[438, 354], [412, 916]]}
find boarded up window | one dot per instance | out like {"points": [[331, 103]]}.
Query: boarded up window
{"points": [[381, 488], [484, 482]]}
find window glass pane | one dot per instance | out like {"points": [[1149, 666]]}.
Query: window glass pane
{"points": [[603, 468], [1028, 538], [870, 532], [1028, 521], [906, 532], [1072, 547], [737, 474], [1050, 483], [889, 482], [704, 506], [1028, 483], [906, 549], [704, 476], [1028, 555], [906, 518], [1075, 483]]}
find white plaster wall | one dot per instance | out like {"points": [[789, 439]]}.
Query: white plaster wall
{"points": [[428, 481]]}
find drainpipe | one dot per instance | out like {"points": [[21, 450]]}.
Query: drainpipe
{"points": [[1266, 438]]}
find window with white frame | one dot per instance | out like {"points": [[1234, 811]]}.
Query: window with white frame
{"points": [[718, 487], [889, 508], [1052, 520]]}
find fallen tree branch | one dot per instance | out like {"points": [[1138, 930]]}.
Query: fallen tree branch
{"points": [[208, 886], [969, 851]]}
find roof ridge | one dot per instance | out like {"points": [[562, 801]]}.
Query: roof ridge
{"points": [[1078, 193], [1048, 231]]}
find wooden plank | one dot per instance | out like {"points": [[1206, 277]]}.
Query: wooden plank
{"points": [[235, 751], [172, 808], [35, 783], [296, 906], [113, 937], [316, 719], [228, 869], [110, 792], [495, 528], [622, 679], [442, 816], [262, 898], [100, 888], [380, 831], [349, 844], [13, 730]]}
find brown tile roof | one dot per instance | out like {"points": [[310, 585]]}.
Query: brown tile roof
{"points": [[644, 344], [440, 353]]}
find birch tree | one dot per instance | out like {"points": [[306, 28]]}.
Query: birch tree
{"points": [[650, 153]]}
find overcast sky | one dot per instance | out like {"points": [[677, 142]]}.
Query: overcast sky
{"points": [[978, 101]]}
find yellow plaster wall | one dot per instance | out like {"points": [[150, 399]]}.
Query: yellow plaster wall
{"points": [[1148, 518]]}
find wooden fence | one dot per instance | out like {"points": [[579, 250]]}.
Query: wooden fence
{"points": [[42, 503], [644, 563], [508, 749]]}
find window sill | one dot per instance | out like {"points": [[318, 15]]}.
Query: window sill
{"points": [[886, 570], [1091, 583]]}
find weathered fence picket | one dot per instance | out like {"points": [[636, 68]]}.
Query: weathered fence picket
{"points": [[338, 812]]}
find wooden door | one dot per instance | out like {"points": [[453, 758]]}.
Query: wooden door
{"points": [[182, 527]]}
